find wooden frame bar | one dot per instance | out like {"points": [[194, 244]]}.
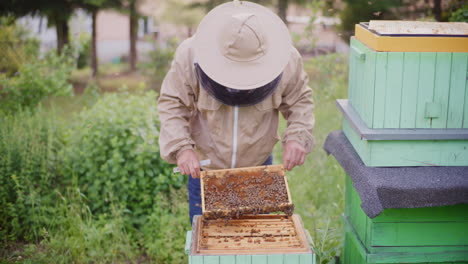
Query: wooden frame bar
{"points": [[254, 249]]}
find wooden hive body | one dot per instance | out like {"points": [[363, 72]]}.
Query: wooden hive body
{"points": [[405, 235], [409, 89], [404, 147], [227, 234], [408, 86]]}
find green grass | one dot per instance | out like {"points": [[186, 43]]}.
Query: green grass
{"points": [[317, 187], [78, 236], [111, 78]]}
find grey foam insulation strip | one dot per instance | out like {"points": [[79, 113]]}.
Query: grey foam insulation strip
{"points": [[398, 187]]}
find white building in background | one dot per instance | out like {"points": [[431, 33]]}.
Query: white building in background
{"points": [[113, 41], [80, 23]]}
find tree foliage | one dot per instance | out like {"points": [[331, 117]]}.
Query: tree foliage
{"points": [[460, 15], [364, 10], [58, 12], [180, 13], [17, 46], [35, 81]]}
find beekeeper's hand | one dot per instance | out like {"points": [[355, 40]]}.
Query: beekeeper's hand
{"points": [[188, 163], [293, 154]]}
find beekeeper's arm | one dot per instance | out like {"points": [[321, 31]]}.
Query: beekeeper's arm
{"points": [[297, 108], [175, 106]]}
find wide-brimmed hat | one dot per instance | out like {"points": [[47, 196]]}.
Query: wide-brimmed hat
{"points": [[242, 45]]}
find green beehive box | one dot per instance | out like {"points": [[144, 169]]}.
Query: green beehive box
{"points": [[404, 147], [409, 81], [405, 235]]}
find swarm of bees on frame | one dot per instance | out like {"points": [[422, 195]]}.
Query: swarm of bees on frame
{"points": [[235, 195]]}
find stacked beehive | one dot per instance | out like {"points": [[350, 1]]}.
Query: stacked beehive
{"points": [[407, 107], [235, 226]]}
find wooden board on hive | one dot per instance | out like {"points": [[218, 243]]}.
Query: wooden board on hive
{"points": [[416, 28], [253, 190], [260, 234]]}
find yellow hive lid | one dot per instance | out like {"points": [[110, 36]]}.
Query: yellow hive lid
{"points": [[414, 36]]}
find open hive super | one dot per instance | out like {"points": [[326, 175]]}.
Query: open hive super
{"points": [[260, 234], [235, 226], [232, 193]]}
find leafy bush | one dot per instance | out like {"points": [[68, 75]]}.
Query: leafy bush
{"points": [[66, 196], [35, 81], [164, 232], [113, 150], [28, 175], [460, 15], [84, 51], [16, 46]]}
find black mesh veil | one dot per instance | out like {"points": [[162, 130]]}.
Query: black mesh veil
{"points": [[235, 97]]}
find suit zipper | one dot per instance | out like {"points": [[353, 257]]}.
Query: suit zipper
{"points": [[234, 136]]}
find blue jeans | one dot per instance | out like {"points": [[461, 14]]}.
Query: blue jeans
{"points": [[194, 193]]}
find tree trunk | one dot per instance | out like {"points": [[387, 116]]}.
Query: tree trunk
{"points": [[39, 30], [133, 35], [58, 30], [145, 25], [94, 59], [61, 26], [437, 10], [282, 10]]}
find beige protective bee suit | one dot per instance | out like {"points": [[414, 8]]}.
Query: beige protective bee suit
{"points": [[231, 136]]}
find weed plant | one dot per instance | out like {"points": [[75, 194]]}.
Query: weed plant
{"points": [[28, 175]]}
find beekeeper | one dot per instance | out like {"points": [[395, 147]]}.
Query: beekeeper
{"points": [[227, 84]]}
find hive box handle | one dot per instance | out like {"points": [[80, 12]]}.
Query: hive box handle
{"points": [[359, 54], [433, 110]]}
